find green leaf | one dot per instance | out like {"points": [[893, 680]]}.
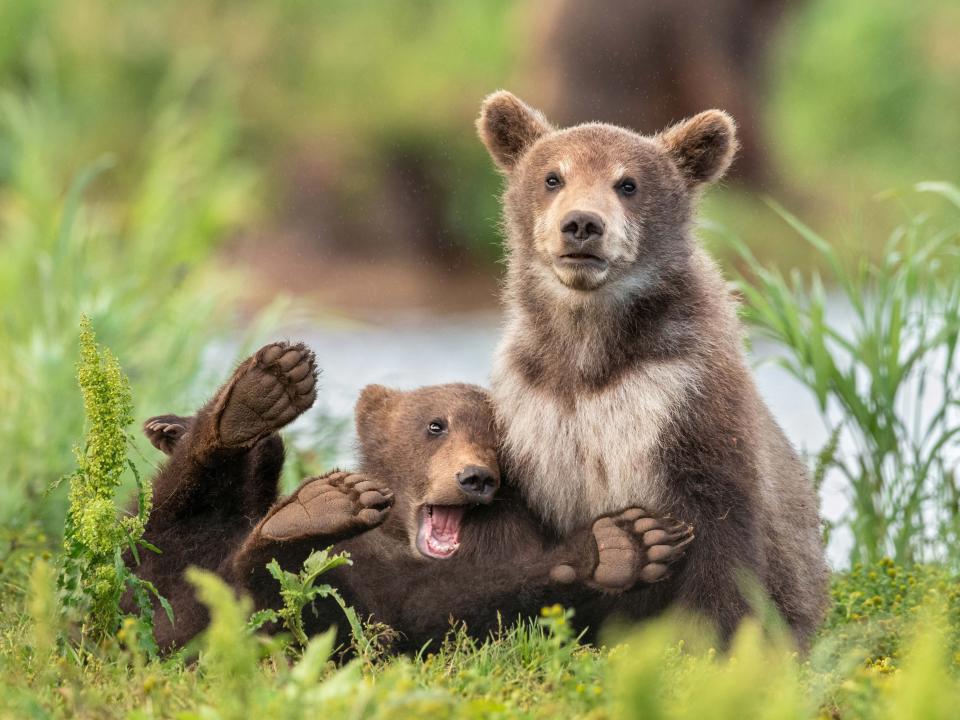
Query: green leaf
{"points": [[149, 546], [946, 190], [261, 618]]}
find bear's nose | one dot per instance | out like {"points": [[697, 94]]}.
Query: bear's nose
{"points": [[581, 226], [478, 483]]}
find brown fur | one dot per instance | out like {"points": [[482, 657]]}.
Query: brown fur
{"points": [[217, 508], [622, 381]]}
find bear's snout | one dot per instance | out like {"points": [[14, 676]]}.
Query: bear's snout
{"points": [[578, 227], [479, 484]]}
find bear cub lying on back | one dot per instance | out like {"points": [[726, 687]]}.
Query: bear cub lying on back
{"points": [[427, 518]]}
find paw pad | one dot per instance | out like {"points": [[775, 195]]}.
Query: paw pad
{"points": [[634, 547], [267, 392], [332, 505]]}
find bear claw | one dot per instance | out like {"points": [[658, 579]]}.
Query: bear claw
{"points": [[164, 431], [333, 505]]}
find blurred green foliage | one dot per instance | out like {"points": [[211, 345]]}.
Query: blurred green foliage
{"points": [[130, 262], [328, 99], [866, 94], [349, 86]]}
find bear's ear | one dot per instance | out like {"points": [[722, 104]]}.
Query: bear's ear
{"points": [[702, 146], [374, 402], [508, 127]]}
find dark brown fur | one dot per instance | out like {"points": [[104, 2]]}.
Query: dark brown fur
{"points": [[640, 364], [216, 507]]}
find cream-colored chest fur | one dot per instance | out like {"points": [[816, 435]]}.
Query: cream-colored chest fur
{"points": [[593, 458]]}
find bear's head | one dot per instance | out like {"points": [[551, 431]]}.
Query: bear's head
{"points": [[436, 447], [599, 210]]}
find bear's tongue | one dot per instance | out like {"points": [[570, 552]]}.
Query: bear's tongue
{"points": [[439, 535]]}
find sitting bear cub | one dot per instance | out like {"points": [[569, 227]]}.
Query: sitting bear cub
{"points": [[621, 378], [428, 517]]}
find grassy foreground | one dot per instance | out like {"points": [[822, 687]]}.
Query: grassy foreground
{"points": [[888, 650]]}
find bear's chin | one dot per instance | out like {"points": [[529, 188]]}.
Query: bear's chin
{"points": [[584, 276], [438, 536]]}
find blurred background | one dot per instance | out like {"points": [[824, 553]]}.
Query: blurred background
{"points": [[199, 176]]}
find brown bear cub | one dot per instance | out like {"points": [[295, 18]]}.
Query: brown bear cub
{"points": [[621, 379], [428, 453]]}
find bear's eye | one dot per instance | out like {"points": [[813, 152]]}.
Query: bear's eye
{"points": [[436, 427], [627, 186], [553, 181]]}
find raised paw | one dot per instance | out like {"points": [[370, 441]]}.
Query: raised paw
{"points": [[335, 506], [266, 392], [165, 431], [634, 547]]}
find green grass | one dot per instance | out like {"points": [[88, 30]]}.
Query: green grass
{"points": [[889, 644], [131, 262], [875, 342]]}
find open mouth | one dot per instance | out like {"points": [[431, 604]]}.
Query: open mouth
{"points": [[439, 534], [594, 262]]}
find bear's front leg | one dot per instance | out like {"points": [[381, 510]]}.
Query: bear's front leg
{"points": [[624, 549], [210, 452], [323, 511]]}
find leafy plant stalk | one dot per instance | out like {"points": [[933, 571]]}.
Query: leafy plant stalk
{"points": [[93, 573], [298, 590]]}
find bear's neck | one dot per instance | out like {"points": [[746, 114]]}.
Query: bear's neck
{"points": [[590, 343]]}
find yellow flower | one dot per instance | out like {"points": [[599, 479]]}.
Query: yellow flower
{"points": [[552, 611]]}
